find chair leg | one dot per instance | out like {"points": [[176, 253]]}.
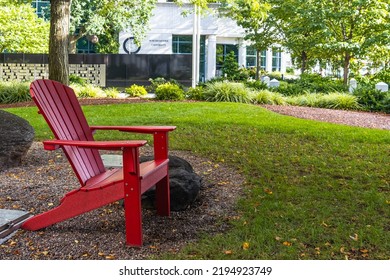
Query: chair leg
{"points": [[163, 197], [133, 215]]}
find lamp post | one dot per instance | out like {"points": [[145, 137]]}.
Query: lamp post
{"points": [[195, 46]]}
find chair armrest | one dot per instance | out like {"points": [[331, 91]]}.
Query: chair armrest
{"points": [[100, 145], [136, 129]]}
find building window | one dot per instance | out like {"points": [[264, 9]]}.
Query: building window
{"points": [[223, 51], [42, 8], [182, 44], [276, 59], [251, 58]]}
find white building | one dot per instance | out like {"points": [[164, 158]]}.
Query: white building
{"points": [[171, 31]]}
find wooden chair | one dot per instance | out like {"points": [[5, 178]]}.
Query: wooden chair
{"points": [[59, 106]]}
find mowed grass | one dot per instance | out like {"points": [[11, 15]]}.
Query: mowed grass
{"points": [[313, 190]]}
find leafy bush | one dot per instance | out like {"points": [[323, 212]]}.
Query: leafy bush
{"points": [[74, 79], [290, 89], [230, 67], [331, 101], [88, 91], [372, 99], [269, 97], [228, 92], [154, 83], [111, 92], [136, 91], [255, 84], [382, 76], [169, 91], [14, 92], [307, 99], [337, 100], [195, 93]]}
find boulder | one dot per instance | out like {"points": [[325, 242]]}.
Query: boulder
{"points": [[16, 137], [184, 185]]}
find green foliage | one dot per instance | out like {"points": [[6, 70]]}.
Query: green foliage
{"points": [[372, 99], [74, 79], [88, 91], [154, 83], [269, 97], [382, 76], [105, 18], [21, 30], [227, 92], [310, 83], [290, 89], [256, 84], [136, 91], [111, 92], [334, 100], [230, 67], [169, 91], [195, 93], [14, 92]]}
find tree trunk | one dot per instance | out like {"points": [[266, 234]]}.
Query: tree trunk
{"points": [[59, 41], [304, 62], [347, 60]]}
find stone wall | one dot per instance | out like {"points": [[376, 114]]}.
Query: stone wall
{"points": [[93, 73]]}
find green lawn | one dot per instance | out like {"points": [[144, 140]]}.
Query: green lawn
{"points": [[314, 190]]}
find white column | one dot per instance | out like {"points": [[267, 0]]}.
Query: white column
{"points": [[282, 62], [194, 47], [268, 58], [242, 55], [211, 59]]}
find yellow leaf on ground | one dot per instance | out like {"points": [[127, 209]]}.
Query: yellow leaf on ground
{"points": [[245, 245]]}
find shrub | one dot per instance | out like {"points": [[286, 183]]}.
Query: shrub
{"points": [[195, 93], [269, 97], [372, 99], [154, 83], [169, 91], [136, 91], [14, 92], [228, 92], [74, 79], [88, 91], [230, 67], [307, 99], [290, 89], [111, 92], [331, 101], [337, 100], [256, 84]]}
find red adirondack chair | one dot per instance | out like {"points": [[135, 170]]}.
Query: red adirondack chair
{"points": [[59, 106]]}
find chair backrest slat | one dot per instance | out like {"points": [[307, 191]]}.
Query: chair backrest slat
{"points": [[62, 111]]}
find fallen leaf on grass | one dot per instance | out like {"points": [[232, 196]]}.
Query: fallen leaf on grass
{"points": [[228, 252], [268, 191], [286, 243], [245, 245], [354, 237]]}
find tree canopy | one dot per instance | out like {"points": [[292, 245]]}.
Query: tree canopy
{"points": [[21, 30]]}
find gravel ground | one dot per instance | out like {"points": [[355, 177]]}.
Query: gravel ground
{"points": [[352, 118], [42, 179], [39, 183]]}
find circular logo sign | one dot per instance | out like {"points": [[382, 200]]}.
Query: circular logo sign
{"points": [[130, 46]]}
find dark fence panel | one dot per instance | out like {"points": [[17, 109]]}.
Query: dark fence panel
{"points": [[123, 70]]}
